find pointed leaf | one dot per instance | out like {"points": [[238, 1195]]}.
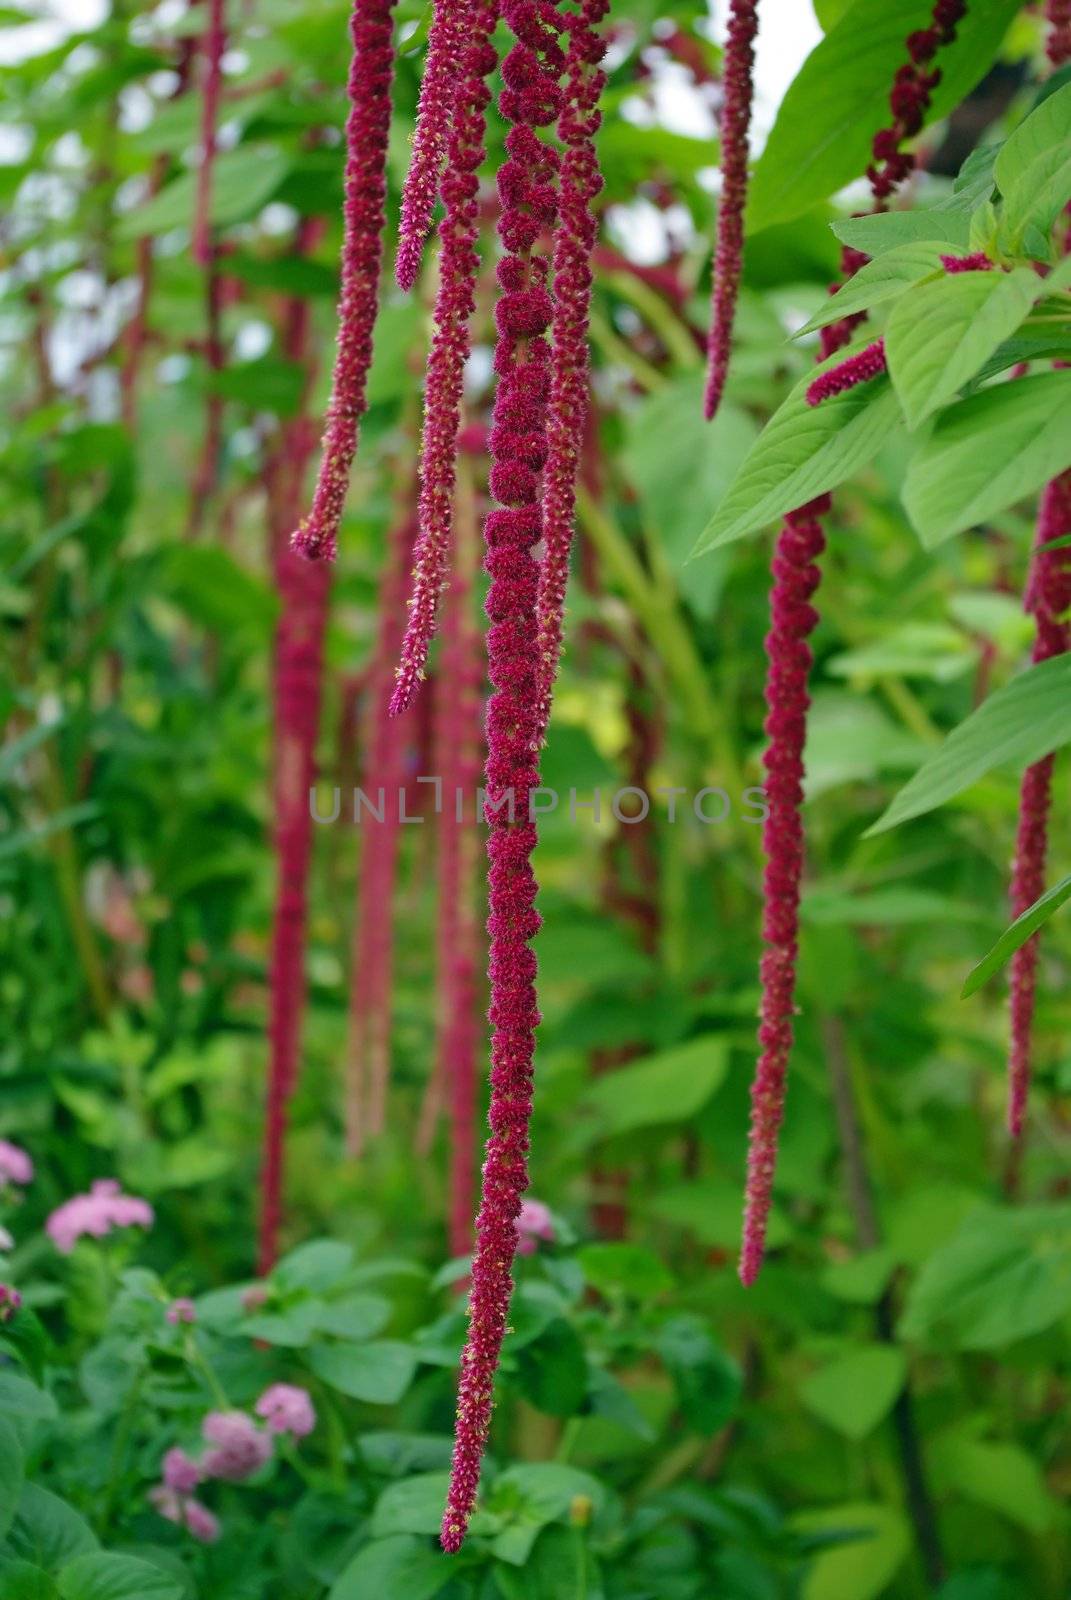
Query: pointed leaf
{"points": [[1015, 936], [880, 280]]}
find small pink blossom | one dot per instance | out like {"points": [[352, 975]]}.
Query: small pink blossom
{"points": [[105, 1207], [181, 1310], [189, 1514], [10, 1301], [287, 1409], [241, 1448], [181, 1473], [15, 1165], [254, 1297], [534, 1223]]}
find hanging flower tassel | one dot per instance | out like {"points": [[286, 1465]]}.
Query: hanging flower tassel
{"points": [[737, 89], [215, 43], [450, 23], [1049, 598], [531, 99], [367, 133], [455, 303], [574, 240], [849, 374], [793, 620], [1058, 43]]}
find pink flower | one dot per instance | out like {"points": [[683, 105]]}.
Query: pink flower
{"points": [[181, 1473], [186, 1513], [105, 1207], [241, 1448], [253, 1298], [287, 1409], [978, 261], [450, 29], [181, 1310], [15, 1165], [10, 1301], [534, 1223], [866, 364]]}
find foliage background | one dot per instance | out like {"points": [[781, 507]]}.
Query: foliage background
{"points": [[917, 1265]]}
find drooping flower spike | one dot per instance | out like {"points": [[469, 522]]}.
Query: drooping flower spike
{"points": [[447, 36], [455, 303], [574, 240], [367, 133], [531, 99], [737, 90], [1058, 42], [214, 45], [796, 577], [848, 374], [1048, 596]]}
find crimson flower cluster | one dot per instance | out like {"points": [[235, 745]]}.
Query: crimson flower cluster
{"points": [[860, 368], [438, 89], [910, 97]]}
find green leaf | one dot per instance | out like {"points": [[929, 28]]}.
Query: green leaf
{"points": [[1002, 1276], [624, 1269], [862, 1280], [1000, 1476], [215, 590], [857, 1390], [883, 279], [11, 1475], [355, 1316], [21, 1398], [839, 99], [402, 1567], [1015, 936], [863, 1568], [987, 452], [914, 650], [1033, 168], [102, 1576], [708, 1381], [529, 1496], [802, 452], [379, 1372], [47, 1531], [415, 1505], [20, 1580], [947, 225], [1020, 722], [552, 1370], [243, 181], [940, 334], [317, 1265], [669, 1087]]}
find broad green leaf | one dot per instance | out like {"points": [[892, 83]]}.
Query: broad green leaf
{"points": [[987, 452], [930, 650], [862, 1280], [21, 1398], [415, 1505], [243, 181], [711, 1210], [947, 225], [619, 1268], [862, 1567], [839, 99], [883, 908], [355, 1316], [1000, 1476], [670, 1087], [47, 1531], [1020, 722], [1017, 934], [379, 1372], [528, 1497], [11, 1475], [854, 1393], [552, 1370], [802, 452], [883, 279], [707, 1379], [1033, 167], [102, 1576], [403, 1567], [942, 332], [21, 1580], [291, 1328], [829, 12], [1003, 1276]]}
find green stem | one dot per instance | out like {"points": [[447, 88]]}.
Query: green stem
{"points": [[672, 332], [620, 353]]}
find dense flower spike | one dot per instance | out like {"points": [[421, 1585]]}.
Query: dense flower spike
{"points": [[297, 672], [574, 240], [460, 744], [530, 99], [795, 581], [455, 302], [793, 619], [978, 261], [737, 66], [438, 104], [367, 133], [368, 1044], [214, 45], [860, 368], [1058, 42], [1049, 598]]}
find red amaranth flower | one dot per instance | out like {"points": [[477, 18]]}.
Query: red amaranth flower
{"points": [[364, 212], [530, 99], [978, 261], [1058, 42], [793, 619], [213, 45], [455, 303], [861, 368], [737, 65], [441, 96], [574, 240], [1048, 596], [909, 99], [368, 1043]]}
